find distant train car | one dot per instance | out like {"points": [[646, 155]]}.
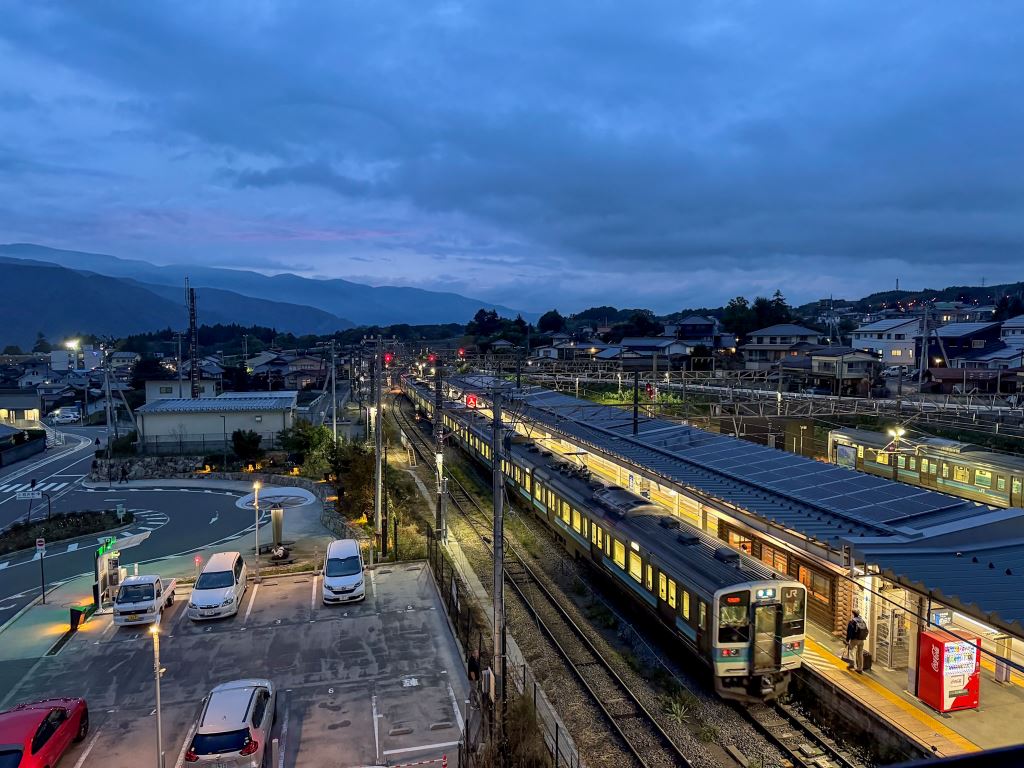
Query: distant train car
{"points": [[737, 615], [959, 469]]}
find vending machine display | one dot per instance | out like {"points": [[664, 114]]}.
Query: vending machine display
{"points": [[948, 671]]}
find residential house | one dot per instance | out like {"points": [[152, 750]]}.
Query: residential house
{"points": [[959, 340], [124, 359], [172, 389], [946, 312], [19, 405], [768, 346], [893, 339], [1013, 331]]}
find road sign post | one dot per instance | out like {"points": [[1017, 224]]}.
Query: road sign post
{"points": [[41, 550]]}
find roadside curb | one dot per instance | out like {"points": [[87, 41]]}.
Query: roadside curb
{"points": [[34, 602]]}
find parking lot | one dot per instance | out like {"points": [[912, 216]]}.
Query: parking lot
{"points": [[372, 683]]}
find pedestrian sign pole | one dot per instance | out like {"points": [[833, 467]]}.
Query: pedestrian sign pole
{"points": [[41, 551]]}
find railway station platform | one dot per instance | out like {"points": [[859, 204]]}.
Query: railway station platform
{"points": [[884, 693]]}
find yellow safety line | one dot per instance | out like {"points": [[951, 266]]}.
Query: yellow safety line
{"points": [[923, 717], [991, 667]]}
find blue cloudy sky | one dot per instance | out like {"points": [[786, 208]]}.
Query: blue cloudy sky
{"points": [[663, 154]]}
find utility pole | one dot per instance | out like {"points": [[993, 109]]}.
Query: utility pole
{"points": [[334, 393], [178, 334], [378, 434], [498, 490], [922, 360], [440, 530], [384, 539], [778, 390], [106, 386], [636, 402]]}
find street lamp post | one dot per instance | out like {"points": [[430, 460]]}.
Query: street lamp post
{"points": [[224, 424], [256, 531], [155, 631]]}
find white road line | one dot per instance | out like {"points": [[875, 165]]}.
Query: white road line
{"points": [[216, 516], [60, 485], [88, 748], [312, 597], [255, 589], [282, 740], [184, 746], [44, 486], [72, 547], [376, 728], [455, 706], [422, 748]]}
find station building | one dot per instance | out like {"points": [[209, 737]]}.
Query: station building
{"points": [[914, 561]]}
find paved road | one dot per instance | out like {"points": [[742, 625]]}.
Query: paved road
{"points": [[178, 520]]}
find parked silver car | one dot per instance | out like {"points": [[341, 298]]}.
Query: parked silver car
{"points": [[234, 727]]}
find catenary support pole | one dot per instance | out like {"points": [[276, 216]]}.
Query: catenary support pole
{"points": [[378, 436], [498, 490], [439, 521], [334, 393], [636, 402]]}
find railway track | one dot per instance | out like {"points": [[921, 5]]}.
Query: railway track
{"points": [[798, 738], [643, 738], [802, 742]]}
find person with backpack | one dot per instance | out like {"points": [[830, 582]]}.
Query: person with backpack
{"points": [[856, 634]]}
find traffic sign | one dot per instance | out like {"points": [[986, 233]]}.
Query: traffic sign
{"points": [[26, 495], [40, 545]]}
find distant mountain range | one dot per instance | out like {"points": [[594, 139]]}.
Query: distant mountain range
{"points": [[63, 292]]}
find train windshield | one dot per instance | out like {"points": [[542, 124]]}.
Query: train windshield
{"points": [[792, 611], [734, 618]]}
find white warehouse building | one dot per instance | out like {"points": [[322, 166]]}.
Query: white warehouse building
{"points": [[205, 425]]}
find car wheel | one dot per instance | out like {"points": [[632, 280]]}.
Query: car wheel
{"points": [[83, 727]]}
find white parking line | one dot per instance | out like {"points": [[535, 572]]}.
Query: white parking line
{"points": [[255, 589], [184, 746], [312, 598], [422, 748], [88, 748], [376, 728], [455, 706], [282, 739]]}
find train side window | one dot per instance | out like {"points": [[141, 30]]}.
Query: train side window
{"points": [[860, 451], [577, 521], [671, 593], [566, 511], [932, 467], [662, 586], [924, 465], [538, 491], [702, 622], [901, 461], [635, 566], [619, 553], [913, 463], [983, 478], [649, 580], [1000, 483], [1016, 485], [945, 469], [686, 605]]}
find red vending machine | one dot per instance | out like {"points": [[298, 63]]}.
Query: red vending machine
{"points": [[949, 671]]}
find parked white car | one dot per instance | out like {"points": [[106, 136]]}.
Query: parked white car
{"points": [[220, 587], [343, 573], [234, 726], [142, 600]]}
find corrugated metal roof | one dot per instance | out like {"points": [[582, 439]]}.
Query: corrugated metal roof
{"points": [[216, 405], [886, 325]]}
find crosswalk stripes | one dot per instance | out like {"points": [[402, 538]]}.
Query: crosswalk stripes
{"points": [[18, 487]]}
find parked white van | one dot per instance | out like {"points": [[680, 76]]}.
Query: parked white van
{"points": [[220, 587], [343, 573]]}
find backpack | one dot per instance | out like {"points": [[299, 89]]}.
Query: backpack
{"points": [[860, 629]]}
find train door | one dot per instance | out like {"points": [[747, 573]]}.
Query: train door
{"points": [[927, 472], [1017, 491], [767, 638]]}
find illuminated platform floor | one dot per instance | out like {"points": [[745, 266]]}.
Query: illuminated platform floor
{"points": [[995, 723]]}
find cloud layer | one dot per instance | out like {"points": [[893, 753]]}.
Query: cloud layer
{"points": [[590, 152]]}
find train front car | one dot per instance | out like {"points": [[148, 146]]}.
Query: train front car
{"points": [[759, 638]]}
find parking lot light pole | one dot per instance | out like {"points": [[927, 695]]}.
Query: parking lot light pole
{"points": [[155, 631], [256, 506]]}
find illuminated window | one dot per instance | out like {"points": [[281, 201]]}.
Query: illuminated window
{"points": [[649, 580], [741, 542], [860, 451], [662, 586], [1016, 485], [686, 605], [818, 585], [1000, 483], [671, 593], [619, 553], [983, 478], [703, 621], [577, 522], [538, 492], [635, 566], [961, 474], [566, 511], [897, 353], [945, 470], [881, 457], [901, 461]]}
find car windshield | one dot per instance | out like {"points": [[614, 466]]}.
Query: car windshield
{"points": [[135, 593], [220, 743], [216, 580], [10, 758], [343, 566]]}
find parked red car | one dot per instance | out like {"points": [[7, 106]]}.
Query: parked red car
{"points": [[36, 735]]}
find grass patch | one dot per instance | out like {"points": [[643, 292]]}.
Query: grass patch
{"points": [[601, 616], [60, 527]]}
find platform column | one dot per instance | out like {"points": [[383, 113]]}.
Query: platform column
{"points": [[915, 612]]}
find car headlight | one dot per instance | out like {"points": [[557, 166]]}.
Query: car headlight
{"points": [[192, 605], [229, 601]]}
